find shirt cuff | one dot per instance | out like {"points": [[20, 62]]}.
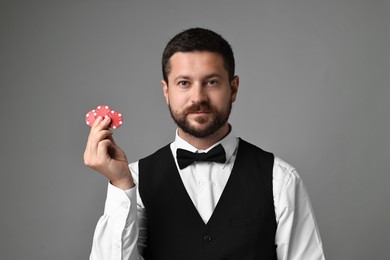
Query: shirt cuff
{"points": [[121, 203]]}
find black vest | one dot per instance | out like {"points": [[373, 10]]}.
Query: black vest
{"points": [[242, 226]]}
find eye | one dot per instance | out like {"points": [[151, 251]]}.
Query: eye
{"points": [[183, 83], [212, 82]]}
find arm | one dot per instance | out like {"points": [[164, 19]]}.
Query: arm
{"points": [[297, 236], [116, 233]]}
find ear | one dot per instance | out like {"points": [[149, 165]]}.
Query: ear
{"points": [[234, 87], [165, 90]]}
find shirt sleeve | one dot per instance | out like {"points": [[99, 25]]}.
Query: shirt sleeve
{"points": [[116, 233], [297, 236]]}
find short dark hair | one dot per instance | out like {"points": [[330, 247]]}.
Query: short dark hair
{"points": [[198, 39]]}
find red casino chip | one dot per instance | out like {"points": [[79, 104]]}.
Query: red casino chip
{"points": [[90, 117], [116, 119], [103, 110]]}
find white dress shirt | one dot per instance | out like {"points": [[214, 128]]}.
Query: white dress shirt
{"points": [[121, 232]]}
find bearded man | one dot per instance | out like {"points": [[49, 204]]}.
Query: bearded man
{"points": [[208, 194]]}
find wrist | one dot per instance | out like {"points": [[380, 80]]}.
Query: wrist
{"points": [[123, 184]]}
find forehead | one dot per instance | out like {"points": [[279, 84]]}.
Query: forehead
{"points": [[197, 62]]}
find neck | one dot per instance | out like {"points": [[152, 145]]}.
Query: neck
{"points": [[206, 142]]}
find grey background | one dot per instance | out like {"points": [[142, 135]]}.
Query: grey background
{"points": [[314, 90]]}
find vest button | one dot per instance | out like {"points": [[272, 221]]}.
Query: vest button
{"points": [[207, 238]]}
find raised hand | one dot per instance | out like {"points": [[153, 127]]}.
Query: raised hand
{"points": [[104, 156]]}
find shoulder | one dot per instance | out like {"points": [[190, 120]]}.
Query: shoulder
{"points": [[284, 173], [251, 150], [288, 187]]}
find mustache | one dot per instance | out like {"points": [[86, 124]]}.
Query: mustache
{"points": [[204, 106]]}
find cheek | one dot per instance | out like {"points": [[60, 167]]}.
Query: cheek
{"points": [[221, 101], [177, 102]]}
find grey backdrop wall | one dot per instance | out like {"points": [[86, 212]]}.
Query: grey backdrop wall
{"points": [[314, 90]]}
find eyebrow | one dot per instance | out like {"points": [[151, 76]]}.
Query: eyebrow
{"points": [[212, 75], [181, 77]]}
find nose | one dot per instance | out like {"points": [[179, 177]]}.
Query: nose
{"points": [[199, 93]]}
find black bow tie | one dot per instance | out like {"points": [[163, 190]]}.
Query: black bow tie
{"points": [[185, 158]]}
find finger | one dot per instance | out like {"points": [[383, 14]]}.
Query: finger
{"points": [[115, 152], [105, 123], [97, 121], [94, 127], [102, 151], [99, 132], [111, 138], [97, 158], [101, 123], [97, 137]]}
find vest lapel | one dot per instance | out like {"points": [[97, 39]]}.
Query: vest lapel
{"points": [[177, 182], [227, 198]]}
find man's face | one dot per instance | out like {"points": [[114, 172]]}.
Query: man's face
{"points": [[199, 93]]}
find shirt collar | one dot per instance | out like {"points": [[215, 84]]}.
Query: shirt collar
{"points": [[229, 143]]}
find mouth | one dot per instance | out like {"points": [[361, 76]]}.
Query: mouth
{"points": [[200, 112], [200, 109]]}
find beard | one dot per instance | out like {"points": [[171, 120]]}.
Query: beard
{"points": [[209, 124]]}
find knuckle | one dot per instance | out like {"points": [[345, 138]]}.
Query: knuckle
{"points": [[86, 159], [88, 163]]}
